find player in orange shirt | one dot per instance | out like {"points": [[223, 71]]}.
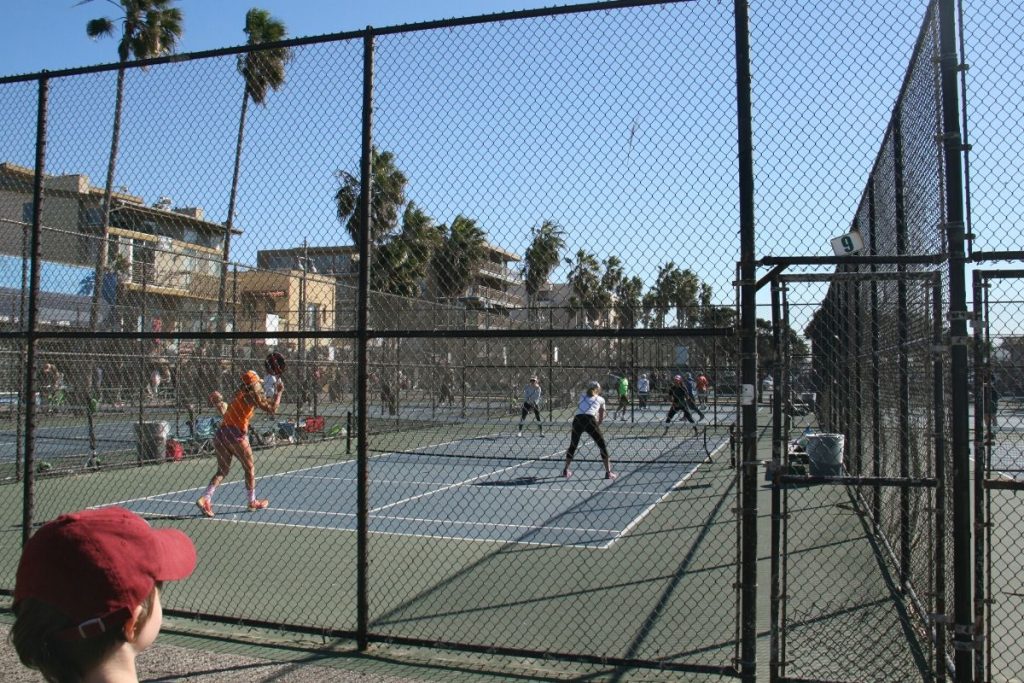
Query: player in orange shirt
{"points": [[232, 440]]}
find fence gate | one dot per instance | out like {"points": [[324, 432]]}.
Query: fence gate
{"points": [[999, 473], [858, 477]]}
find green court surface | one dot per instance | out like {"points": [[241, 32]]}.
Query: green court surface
{"points": [[663, 589]]}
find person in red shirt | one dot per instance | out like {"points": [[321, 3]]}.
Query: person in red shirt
{"points": [[703, 384], [232, 439]]}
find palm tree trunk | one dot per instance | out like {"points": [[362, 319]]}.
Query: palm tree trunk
{"points": [[222, 290], [108, 191]]}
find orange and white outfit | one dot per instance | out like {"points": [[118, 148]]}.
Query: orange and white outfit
{"points": [[232, 440]]}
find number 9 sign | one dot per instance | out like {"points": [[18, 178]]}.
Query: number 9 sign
{"points": [[847, 245]]}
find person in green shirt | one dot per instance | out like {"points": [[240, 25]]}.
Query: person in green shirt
{"points": [[623, 390]]}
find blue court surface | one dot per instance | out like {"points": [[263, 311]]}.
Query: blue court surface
{"points": [[71, 441], [495, 488]]}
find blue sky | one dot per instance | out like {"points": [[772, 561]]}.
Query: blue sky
{"points": [[514, 123], [209, 24]]}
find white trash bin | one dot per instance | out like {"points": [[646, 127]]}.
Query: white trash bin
{"points": [[825, 454], [151, 440]]}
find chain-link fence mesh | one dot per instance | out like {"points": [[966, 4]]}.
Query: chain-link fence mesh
{"points": [[999, 467], [423, 219]]}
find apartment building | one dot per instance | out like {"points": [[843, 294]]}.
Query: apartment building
{"points": [[163, 259]]}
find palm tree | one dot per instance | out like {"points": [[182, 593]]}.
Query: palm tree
{"points": [[261, 70], [687, 287], [678, 289], [629, 303], [659, 298], [387, 198], [458, 257], [401, 263], [611, 282], [584, 283], [542, 256], [149, 28]]}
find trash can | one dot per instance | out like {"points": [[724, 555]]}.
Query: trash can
{"points": [[825, 454], [151, 440]]}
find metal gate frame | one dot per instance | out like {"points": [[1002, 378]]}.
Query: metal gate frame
{"points": [[984, 482], [927, 606]]}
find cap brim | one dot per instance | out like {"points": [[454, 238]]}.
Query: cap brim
{"points": [[177, 554]]}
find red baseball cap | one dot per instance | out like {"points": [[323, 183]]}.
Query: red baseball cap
{"points": [[97, 566]]}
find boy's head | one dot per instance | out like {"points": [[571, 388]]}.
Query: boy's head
{"points": [[84, 582], [214, 398]]}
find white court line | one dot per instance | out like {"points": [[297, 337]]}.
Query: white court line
{"points": [[287, 473], [457, 484], [632, 525], [446, 487]]}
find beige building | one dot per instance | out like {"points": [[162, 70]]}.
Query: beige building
{"points": [[494, 286], [286, 301], [166, 259]]}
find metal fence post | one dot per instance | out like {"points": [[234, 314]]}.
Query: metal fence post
{"points": [[35, 248], [963, 628], [777, 459], [362, 445], [856, 429], [748, 343], [982, 463]]}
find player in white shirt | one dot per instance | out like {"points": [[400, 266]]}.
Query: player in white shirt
{"points": [[589, 417], [531, 404]]}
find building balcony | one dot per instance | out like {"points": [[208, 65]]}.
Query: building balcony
{"points": [[488, 297], [499, 272]]}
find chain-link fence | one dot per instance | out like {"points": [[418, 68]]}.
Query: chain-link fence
{"points": [[450, 232], [996, 390]]}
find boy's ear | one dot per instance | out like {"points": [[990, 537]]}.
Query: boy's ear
{"points": [[132, 626]]}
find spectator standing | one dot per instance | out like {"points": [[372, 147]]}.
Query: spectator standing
{"points": [[447, 395], [691, 394], [87, 593], [991, 409], [643, 390], [703, 385]]}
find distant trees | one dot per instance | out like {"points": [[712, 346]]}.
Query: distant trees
{"points": [[149, 28], [402, 263], [261, 71], [386, 203], [416, 257], [586, 297], [457, 258], [541, 258]]}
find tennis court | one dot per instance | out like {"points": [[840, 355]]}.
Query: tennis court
{"points": [[471, 528], [464, 490]]}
